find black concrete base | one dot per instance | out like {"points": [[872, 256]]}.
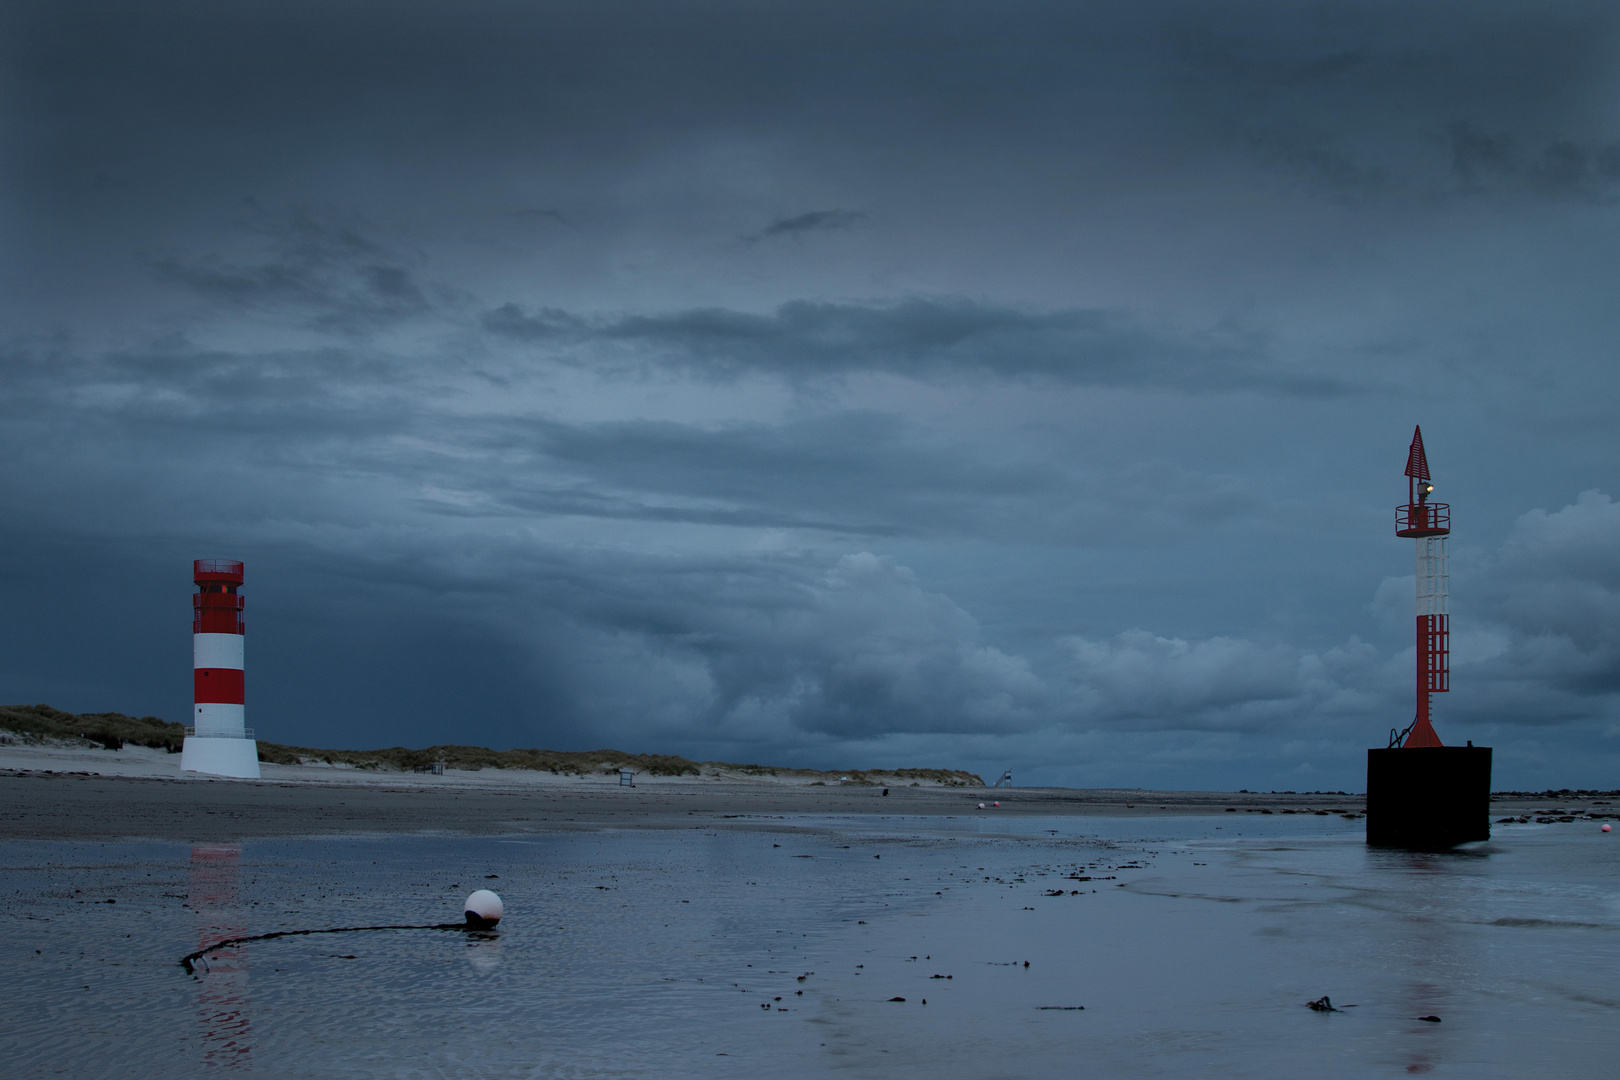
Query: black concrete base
{"points": [[1428, 798]]}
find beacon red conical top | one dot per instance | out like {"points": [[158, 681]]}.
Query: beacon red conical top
{"points": [[1417, 462]]}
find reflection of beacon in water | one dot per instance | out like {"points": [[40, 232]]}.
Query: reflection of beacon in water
{"points": [[218, 741]]}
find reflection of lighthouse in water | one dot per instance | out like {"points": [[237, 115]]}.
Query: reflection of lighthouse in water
{"points": [[222, 989]]}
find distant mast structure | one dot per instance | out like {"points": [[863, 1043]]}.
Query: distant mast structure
{"points": [[1429, 523], [218, 741]]}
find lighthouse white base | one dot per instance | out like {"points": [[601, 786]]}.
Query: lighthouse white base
{"points": [[221, 757]]}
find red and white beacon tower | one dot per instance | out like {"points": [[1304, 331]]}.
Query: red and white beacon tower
{"points": [[219, 741], [1430, 524], [1422, 794]]}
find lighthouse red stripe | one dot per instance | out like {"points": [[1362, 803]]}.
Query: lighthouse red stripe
{"points": [[214, 620], [218, 686]]}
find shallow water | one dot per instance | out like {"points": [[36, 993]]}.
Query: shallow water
{"points": [[1192, 948]]}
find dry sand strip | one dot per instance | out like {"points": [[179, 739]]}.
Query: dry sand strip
{"points": [[39, 805], [50, 791], [57, 793]]}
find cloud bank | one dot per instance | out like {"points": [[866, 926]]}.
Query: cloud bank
{"points": [[1002, 387]]}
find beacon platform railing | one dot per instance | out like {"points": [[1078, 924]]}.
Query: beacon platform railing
{"points": [[1423, 519], [193, 733]]}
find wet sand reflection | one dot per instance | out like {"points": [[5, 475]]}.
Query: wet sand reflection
{"points": [[222, 990], [1428, 948]]}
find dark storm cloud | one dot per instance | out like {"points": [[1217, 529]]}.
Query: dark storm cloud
{"points": [[870, 653], [790, 651], [535, 357], [853, 473], [1537, 645], [929, 338], [331, 274], [859, 474], [547, 324], [1440, 101], [168, 101], [176, 392], [810, 222], [793, 651], [850, 473], [1563, 168], [1551, 647], [333, 277], [1144, 682]]}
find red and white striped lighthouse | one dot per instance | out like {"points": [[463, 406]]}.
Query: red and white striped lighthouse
{"points": [[219, 741], [1430, 524]]}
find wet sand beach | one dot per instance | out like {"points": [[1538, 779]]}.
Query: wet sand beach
{"points": [[70, 806], [734, 926], [77, 794], [847, 944]]}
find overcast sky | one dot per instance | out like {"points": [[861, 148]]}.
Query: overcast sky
{"points": [[981, 385]]}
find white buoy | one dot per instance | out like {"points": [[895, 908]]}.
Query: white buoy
{"points": [[981, 806], [483, 908]]}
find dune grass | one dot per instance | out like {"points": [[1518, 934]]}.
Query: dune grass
{"points": [[111, 730], [115, 730]]}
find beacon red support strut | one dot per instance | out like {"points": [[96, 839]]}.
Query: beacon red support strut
{"points": [[1430, 524]]}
